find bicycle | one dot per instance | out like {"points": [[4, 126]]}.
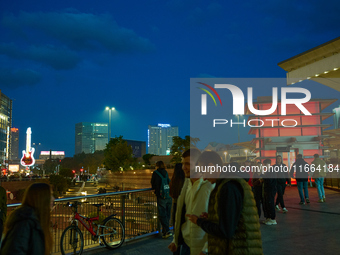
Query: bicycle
{"points": [[112, 231]]}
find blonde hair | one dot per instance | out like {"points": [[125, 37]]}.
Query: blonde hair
{"points": [[38, 197]]}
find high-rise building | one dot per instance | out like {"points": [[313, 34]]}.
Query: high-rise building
{"points": [[14, 155], [138, 147], [160, 138], [90, 137], [5, 125]]}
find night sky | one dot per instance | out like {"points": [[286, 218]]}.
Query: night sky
{"points": [[63, 62]]}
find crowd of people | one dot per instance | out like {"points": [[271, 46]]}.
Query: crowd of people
{"points": [[220, 215]]}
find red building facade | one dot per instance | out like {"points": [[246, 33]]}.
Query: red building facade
{"points": [[292, 134]]}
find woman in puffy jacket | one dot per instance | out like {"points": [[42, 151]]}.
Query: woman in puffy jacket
{"points": [[27, 229]]}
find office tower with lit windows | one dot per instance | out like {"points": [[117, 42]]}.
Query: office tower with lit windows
{"points": [[14, 155], [160, 138], [5, 126], [90, 137]]}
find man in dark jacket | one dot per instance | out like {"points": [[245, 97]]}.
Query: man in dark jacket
{"points": [[282, 179], [301, 168], [164, 201], [269, 188]]}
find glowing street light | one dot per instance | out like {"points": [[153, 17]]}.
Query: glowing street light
{"points": [[225, 156], [110, 109], [246, 151]]}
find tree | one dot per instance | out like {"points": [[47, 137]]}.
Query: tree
{"points": [[50, 165], [59, 184], [66, 172], [180, 145], [147, 158], [118, 155]]}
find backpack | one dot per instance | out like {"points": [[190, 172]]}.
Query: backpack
{"points": [[164, 190]]}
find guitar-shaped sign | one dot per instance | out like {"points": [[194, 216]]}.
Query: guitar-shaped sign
{"points": [[27, 156]]}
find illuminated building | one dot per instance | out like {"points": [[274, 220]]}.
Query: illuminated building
{"points": [[52, 154], [160, 138], [321, 64], [90, 137], [5, 125], [14, 144], [306, 137]]}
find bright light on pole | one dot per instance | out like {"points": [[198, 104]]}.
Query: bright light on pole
{"points": [[246, 151], [225, 157], [110, 109]]}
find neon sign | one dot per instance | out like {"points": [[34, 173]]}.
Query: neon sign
{"points": [[164, 125], [27, 156]]}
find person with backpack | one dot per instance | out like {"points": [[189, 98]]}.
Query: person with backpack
{"points": [[160, 183]]}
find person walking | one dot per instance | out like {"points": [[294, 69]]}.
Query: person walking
{"points": [[176, 185], [232, 221], [282, 179], [301, 168], [160, 183], [320, 170], [194, 199], [257, 182], [27, 229], [269, 189]]}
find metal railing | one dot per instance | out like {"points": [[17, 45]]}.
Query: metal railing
{"points": [[332, 180], [137, 209]]}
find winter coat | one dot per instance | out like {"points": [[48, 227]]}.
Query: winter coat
{"points": [[200, 203], [302, 169], [319, 167], [26, 237], [156, 180]]}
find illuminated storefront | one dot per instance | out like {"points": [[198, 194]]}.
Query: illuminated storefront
{"points": [[292, 134]]}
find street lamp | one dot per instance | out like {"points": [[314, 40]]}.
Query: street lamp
{"points": [[225, 157], [246, 151], [109, 109]]}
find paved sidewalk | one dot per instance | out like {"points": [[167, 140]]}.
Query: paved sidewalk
{"points": [[306, 229]]}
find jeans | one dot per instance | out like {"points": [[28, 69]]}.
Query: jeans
{"points": [[164, 211], [319, 186], [280, 191], [303, 186]]}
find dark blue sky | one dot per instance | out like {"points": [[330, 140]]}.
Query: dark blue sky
{"points": [[62, 62]]}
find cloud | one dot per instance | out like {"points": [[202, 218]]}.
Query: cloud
{"points": [[79, 31], [57, 58], [17, 78]]}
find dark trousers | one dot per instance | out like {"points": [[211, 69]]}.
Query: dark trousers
{"points": [[280, 192], [185, 249], [164, 211], [258, 198], [269, 199]]}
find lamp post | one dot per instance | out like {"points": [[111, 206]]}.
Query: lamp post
{"points": [[225, 157], [246, 151], [109, 109]]}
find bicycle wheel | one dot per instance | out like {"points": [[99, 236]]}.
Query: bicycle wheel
{"points": [[113, 233], [72, 241]]}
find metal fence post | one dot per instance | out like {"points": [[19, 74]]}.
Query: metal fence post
{"points": [[122, 205]]}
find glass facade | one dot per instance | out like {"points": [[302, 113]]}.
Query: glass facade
{"points": [[5, 125], [90, 137], [160, 138]]}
